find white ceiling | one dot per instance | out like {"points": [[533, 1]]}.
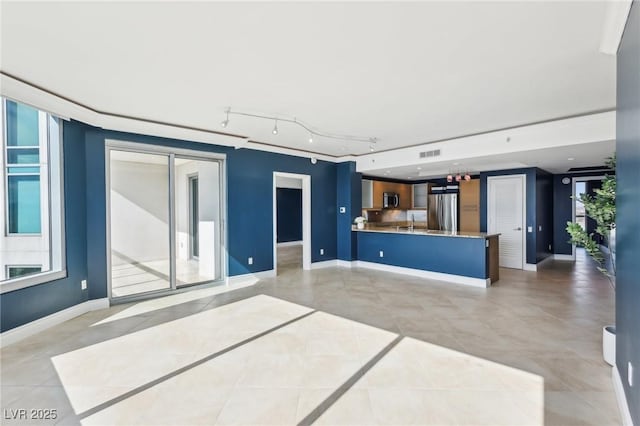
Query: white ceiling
{"points": [[406, 73], [554, 160]]}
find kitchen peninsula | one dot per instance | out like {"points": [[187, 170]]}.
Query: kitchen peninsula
{"points": [[469, 258]]}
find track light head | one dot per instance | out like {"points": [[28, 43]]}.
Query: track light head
{"points": [[275, 128], [224, 123]]}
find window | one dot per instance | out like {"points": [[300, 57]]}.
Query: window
{"points": [[19, 271], [23, 169], [31, 242]]}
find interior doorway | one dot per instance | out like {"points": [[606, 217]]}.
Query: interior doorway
{"points": [[506, 210], [165, 219], [291, 221]]}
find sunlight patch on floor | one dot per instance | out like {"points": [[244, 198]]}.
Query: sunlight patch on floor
{"points": [[281, 377], [174, 300]]}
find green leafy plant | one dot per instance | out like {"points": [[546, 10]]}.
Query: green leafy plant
{"points": [[601, 207]]}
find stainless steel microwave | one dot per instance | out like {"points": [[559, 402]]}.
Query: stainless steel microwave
{"points": [[391, 200]]}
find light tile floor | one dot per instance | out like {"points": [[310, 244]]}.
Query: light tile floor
{"points": [[135, 278], [331, 346]]}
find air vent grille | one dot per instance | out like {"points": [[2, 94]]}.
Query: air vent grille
{"points": [[429, 154]]}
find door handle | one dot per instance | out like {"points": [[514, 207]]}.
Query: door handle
{"points": [[517, 229]]}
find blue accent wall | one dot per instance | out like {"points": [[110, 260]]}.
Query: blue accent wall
{"points": [[349, 196], [449, 255], [249, 216], [544, 215], [28, 304], [289, 214], [628, 208]]}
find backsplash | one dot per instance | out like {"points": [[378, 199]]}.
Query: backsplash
{"points": [[394, 215]]}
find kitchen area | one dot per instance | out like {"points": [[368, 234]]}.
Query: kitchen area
{"points": [[429, 227], [436, 205]]}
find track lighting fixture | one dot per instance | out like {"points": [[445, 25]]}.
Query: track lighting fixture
{"points": [[449, 178], [225, 122], [458, 177], [467, 177], [312, 131]]}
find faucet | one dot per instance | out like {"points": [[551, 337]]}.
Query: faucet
{"points": [[413, 222]]}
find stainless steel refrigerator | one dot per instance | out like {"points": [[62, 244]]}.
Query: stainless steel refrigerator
{"points": [[443, 212]]}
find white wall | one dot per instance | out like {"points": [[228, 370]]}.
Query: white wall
{"points": [[140, 210]]}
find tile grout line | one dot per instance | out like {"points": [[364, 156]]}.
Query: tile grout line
{"points": [[188, 367], [339, 392]]}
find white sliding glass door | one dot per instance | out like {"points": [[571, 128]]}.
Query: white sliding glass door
{"points": [[165, 220]]}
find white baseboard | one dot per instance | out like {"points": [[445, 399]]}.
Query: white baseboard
{"points": [[344, 263], [252, 278], [623, 406], [289, 244], [439, 276], [324, 264], [535, 266], [563, 257], [22, 332]]}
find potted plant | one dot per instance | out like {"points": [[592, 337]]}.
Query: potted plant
{"points": [[601, 206], [360, 221]]}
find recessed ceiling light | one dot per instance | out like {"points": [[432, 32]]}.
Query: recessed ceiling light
{"points": [[570, 158], [456, 164], [409, 177], [419, 168]]}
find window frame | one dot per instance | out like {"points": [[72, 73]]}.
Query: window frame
{"points": [[56, 211]]}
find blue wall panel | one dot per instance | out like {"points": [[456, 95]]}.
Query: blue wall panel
{"points": [[349, 196], [289, 214], [628, 209], [22, 306], [449, 255], [544, 215]]}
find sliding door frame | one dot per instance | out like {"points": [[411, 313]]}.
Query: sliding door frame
{"points": [[171, 153]]}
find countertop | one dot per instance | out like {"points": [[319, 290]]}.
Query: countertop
{"points": [[422, 231]]}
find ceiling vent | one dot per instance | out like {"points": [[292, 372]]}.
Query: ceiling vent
{"points": [[429, 154]]}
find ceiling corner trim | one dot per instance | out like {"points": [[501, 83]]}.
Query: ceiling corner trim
{"points": [[22, 91], [615, 20]]}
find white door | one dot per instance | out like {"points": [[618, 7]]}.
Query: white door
{"points": [[505, 215]]}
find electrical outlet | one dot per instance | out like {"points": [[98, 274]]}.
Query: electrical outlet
{"points": [[539, 228], [250, 261], [630, 374], [83, 284], [343, 209], [381, 253], [549, 247], [529, 228], [321, 252]]}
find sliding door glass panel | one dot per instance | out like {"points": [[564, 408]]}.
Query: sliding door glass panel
{"points": [[198, 221], [193, 216], [140, 223]]}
